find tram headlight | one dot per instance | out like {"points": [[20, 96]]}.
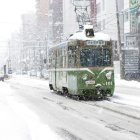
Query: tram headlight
{"points": [[109, 75], [85, 77]]}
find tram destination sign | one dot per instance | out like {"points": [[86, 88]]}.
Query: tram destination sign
{"points": [[95, 42]]}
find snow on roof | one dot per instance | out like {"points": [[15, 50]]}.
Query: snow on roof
{"points": [[97, 36]]}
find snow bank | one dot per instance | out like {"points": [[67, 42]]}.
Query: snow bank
{"points": [[4, 88], [37, 129], [120, 82], [11, 127], [131, 100], [127, 98], [17, 122]]}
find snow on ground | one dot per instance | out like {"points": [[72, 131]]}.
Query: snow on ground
{"points": [[11, 127], [129, 99], [31, 81], [125, 98], [133, 84], [17, 122], [132, 99], [20, 123]]}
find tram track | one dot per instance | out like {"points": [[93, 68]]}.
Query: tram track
{"points": [[117, 108], [115, 125], [109, 105], [87, 111]]}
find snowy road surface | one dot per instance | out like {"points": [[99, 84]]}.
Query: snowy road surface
{"points": [[29, 111]]}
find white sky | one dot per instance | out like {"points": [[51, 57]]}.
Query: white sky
{"points": [[10, 18], [10, 12]]}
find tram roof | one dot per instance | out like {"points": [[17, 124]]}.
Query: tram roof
{"points": [[97, 36]]}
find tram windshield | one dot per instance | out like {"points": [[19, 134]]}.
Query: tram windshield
{"points": [[95, 57]]}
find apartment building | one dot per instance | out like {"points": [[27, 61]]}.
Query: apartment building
{"points": [[106, 17], [42, 18], [28, 41], [55, 21]]}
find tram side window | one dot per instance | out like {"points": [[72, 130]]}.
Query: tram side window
{"points": [[64, 58], [57, 59], [54, 59], [60, 58], [71, 56], [50, 62]]}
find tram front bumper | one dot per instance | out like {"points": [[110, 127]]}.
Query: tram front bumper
{"points": [[95, 92]]}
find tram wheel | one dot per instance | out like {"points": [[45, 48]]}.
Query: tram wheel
{"points": [[75, 97], [84, 98], [59, 92], [65, 92]]}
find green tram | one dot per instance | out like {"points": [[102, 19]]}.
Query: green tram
{"points": [[82, 67]]}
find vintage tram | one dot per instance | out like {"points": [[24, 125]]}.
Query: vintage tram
{"points": [[82, 66]]}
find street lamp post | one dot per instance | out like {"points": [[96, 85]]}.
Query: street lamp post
{"points": [[119, 39]]}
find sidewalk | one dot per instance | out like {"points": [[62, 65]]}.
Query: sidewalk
{"points": [[11, 126]]}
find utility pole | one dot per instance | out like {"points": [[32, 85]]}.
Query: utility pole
{"points": [[119, 39]]}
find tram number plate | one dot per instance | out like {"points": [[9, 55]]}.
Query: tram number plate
{"points": [[90, 82]]}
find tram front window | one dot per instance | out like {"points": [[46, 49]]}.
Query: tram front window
{"points": [[95, 57]]}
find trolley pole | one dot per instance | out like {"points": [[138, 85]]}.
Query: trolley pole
{"points": [[119, 39]]}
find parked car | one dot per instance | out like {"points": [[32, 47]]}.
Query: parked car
{"points": [[24, 72], [33, 73]]}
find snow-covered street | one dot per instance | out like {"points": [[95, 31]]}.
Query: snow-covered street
{"points": [[70, 70], [17, 121], [30, 111]]}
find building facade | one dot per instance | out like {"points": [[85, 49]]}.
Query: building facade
{"points": [[63, 22], [131, 51], [42, 13], [106, 17], [70, 24], [107, 21], [93, 13], [29, 43], [55, 21]]}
